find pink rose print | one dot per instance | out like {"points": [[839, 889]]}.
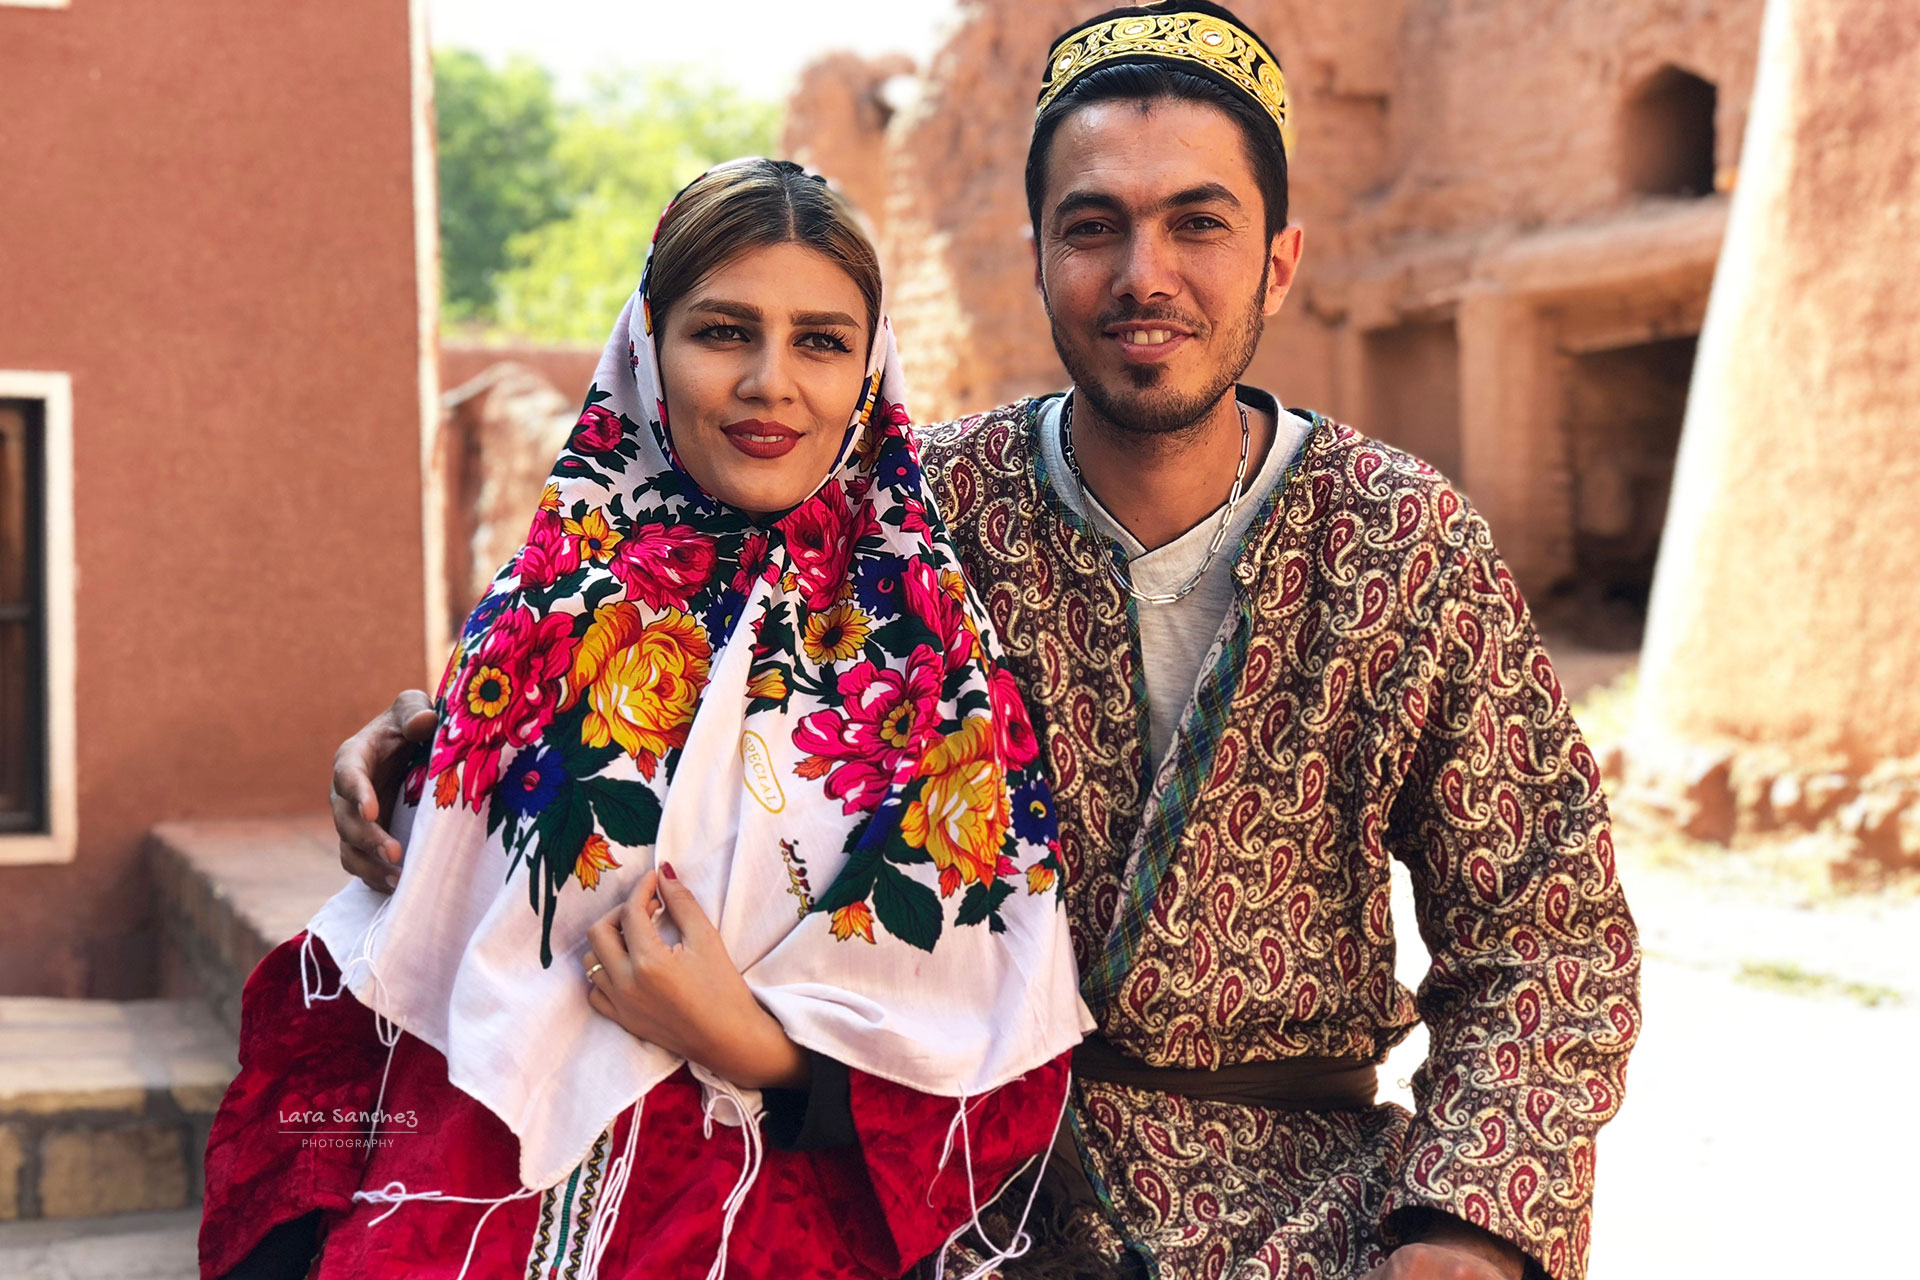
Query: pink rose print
{"points": [[598, 431], [664, 566], [1012, 730], [549, 554], [928, 601], [503, 696], [888, 721]]}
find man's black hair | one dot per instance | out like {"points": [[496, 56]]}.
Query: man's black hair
{"points": [[1145, 79]]}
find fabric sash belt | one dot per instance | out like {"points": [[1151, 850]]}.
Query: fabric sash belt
{"points": [[1289, 1084]]}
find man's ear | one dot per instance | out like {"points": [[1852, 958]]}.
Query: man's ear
{"points": [[1283, 262]]}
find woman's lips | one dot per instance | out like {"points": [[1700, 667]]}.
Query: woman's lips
{"points": [[759, 439]]}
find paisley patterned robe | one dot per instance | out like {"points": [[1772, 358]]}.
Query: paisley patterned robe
{"points": [[1378, 692]]}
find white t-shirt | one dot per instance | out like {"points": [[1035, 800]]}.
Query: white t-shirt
{"points": [[1176, 638]]}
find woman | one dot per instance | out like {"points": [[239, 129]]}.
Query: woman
{"points": [[730, 809]]}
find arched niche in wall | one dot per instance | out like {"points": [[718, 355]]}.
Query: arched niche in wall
{"points": [[1667, 135]]}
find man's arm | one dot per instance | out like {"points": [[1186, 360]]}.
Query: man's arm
{"points": [[1438, 1246], [1532, 1000], [367, 772]]}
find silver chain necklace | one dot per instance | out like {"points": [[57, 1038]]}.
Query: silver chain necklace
{"points": [[1124, 580]]}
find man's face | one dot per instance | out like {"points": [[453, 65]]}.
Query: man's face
{"points": [[1154, 261]]}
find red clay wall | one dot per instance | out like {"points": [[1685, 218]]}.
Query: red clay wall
{"points": [[207, 219]]}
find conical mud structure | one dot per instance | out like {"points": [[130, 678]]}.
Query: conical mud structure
{"points": [[1780, 681]]}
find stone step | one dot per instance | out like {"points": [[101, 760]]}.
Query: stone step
{"points": [[228, 892], [125, 1246], [105, 1104]]}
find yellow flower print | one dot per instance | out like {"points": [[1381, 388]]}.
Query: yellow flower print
{"points": [[597, 538], [595, 856], [1040, 878], [854, 918], [641, 681], [550, 498], [954, 583], [867, 447], [454, 660], [837, 634], [896, 730], [489, 692], [962, 813], [771, 683]]}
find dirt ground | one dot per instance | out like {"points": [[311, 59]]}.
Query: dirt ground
{"points": [[1769, 1121]]}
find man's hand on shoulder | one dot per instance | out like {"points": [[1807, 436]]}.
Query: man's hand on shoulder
{"points": [[367, 772], [1444, 1248]]}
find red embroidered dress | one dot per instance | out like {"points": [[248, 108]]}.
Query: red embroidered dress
{"points": [[869, 1210]]}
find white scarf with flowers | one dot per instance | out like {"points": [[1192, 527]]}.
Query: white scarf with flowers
{"points": [[809, 720]]}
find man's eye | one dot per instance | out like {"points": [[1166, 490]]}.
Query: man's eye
{"points": [[1088, 228], [1205, 222]]}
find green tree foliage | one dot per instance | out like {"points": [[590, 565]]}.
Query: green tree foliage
{"points": [[622, 154], [498, 131], [546, 207]]}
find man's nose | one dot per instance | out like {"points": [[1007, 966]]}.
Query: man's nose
{"points": [[1147, 271]]}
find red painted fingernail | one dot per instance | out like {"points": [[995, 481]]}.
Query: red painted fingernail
{"points": [[666, 869]]}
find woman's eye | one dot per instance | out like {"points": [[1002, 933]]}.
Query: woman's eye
{"points": [[722, 333], [825, 342]]}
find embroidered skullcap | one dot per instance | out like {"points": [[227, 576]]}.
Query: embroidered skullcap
{"points": [[1194, 36]]}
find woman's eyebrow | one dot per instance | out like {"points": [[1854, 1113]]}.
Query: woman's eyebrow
{"points": [[841, 318], [738, 310]]}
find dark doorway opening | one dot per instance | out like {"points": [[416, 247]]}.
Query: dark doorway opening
{"points": [[1623, 411], [1667, 135], [1413, 391], [23, 628]]}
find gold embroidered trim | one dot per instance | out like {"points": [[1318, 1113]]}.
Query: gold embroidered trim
{"points": [[1219, 46]]}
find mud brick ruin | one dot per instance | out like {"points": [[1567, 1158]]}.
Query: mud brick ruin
{"points": [[1513, 216]]}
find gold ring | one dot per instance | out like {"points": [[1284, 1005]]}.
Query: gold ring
{"points": [[592, 969]]}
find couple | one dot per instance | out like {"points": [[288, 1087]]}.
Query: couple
{"points": [[831, 1017]]}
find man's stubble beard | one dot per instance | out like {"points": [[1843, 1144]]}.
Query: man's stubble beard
{"points": [[1165, 416]]}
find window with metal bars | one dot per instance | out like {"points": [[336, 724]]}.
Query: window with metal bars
{"points": [[23, 618]]}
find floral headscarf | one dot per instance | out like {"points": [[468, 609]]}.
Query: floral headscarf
{"points": [[809, 719]]}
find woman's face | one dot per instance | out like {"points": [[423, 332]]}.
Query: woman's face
{"points": [[763, 363]]}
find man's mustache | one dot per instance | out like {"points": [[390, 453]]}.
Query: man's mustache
{"points": [[1147, 317]]}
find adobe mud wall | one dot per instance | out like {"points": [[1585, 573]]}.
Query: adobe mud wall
{"points": [[209, 223], [1466, 169]]}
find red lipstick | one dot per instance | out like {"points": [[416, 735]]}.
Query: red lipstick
{"points": [[758, 439]]}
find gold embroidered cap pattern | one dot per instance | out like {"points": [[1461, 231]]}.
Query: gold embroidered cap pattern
{"points": [[1217, 45]]}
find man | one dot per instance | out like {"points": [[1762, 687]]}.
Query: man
{"points": [[1265, 655]]}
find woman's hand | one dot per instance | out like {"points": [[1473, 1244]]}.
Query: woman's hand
{"points": [[686, 997]]}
